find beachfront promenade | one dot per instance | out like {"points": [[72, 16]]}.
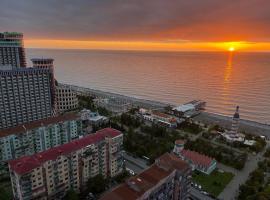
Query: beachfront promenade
{"points": [[205, 117]]}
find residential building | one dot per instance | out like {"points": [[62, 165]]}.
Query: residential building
{"points": [[168, 178], [51, 173], [25, 95], [93, 118], [37, 136], [47, 63], [196, 160], [12, 51], [66, 98]]}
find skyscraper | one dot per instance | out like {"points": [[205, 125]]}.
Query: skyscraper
{"points": [[12, 50], [47, 63], [25, 95]]}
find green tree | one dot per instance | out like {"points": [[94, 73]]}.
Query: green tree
{"points": [[97, 184], [71, 195]]}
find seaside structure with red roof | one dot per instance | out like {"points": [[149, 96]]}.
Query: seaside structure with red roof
{"points": [[167, 178], [40, 135], [51, 173], [196, 160], [159, 118]]}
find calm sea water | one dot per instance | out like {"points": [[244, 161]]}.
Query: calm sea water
{"points": [[222, 80]]}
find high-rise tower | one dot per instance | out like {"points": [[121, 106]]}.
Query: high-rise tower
{"points": [[235, 121], [12, 51], [47, 63], [25, 95]]}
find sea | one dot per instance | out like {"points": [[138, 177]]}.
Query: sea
{"points": [[223, 79]]}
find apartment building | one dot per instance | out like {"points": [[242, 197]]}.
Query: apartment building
{"points": [[34, 137], [12, 51], [66, 98], [51, 173], [25, 95], [47, 63], [168, 178]]}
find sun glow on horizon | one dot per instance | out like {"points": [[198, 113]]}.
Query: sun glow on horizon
{"points": [[231, 49], [148, 45]]}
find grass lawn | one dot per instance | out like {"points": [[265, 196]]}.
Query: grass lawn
{"points": [[213, 183]]}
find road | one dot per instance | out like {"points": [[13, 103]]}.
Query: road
{"points": [[135, 164], [196, 194], [231, 190]]}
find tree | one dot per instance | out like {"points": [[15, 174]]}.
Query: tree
{"points": [[71, 195], [97, 184]]}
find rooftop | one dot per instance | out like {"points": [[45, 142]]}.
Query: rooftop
{"points": [[197, 158], [179, 142], [136, 186], [160, 114], [36, 124], [185, 107], [26, 164]]}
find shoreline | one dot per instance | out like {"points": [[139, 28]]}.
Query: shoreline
{"points": [[248, 126]]}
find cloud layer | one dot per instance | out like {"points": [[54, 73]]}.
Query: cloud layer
{"points": [[151, 20]]}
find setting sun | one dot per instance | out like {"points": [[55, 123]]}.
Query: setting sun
{"points": [[231, 49]]}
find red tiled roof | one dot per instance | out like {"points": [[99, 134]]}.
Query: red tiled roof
{"points": [[179, 142], [27, 163], [35, 124], [160, 114], [136, 186], [197, 158]]}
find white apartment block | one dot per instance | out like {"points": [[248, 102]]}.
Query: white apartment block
{"points": [[50, 174], [66, 99], [39, 136]]}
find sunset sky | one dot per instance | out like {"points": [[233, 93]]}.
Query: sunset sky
{"points": [[140, 24]]}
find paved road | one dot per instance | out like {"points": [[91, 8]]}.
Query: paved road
{"points": [[196, 194], [231, 191]]}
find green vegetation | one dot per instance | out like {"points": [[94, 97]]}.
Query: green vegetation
{"points": [[152, 141], [267, 153], [97, 184], [221, 154], [213, 183], [71, 195], [88, 103], [258, 184], [5, 188], [190, 127], [121, 177], [216, 128], [130, 120]]}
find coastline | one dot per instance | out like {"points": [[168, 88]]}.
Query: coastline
{"points": [[248, 126]]}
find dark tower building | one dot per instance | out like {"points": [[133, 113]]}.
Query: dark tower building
{"points": [[12, 50]]}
